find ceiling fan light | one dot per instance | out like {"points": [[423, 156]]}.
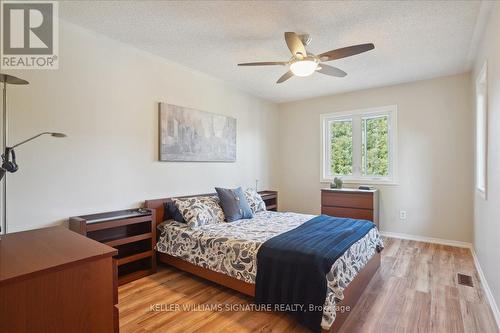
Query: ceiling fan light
{"points": [[303, 67]]}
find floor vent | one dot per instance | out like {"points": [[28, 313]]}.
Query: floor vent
{"points": [[465, 280]]}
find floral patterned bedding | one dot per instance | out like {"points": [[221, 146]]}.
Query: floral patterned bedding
{"points": [[231, 248]]}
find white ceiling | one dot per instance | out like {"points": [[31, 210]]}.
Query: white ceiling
{"points": [[413, 40]]}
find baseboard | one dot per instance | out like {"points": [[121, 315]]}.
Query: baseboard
{"points": [[487, 290], [484, 282], [427, 239]]}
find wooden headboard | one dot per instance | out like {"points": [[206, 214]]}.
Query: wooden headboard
{"points": [[269, 197], [159, 204]]}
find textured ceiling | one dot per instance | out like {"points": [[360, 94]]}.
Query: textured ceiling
{"points": [[413, 40]]}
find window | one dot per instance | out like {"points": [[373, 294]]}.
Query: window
{"points": [[481, 131], [359, 146], [341, 147]]}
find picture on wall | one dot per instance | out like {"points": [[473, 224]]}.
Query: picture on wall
{"points": [[189, 135]]}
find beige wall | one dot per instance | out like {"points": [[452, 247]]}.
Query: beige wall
{"points": [[487, 212], [435, 155], [104, 96]]}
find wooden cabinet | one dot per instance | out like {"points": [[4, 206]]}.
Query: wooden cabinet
{"points": [[131, 232], [54, 280], [271, 199], [353, 203]]}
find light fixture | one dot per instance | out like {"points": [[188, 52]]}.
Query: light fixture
{"points": [[304, 67], [54, 134], [8, 157]]}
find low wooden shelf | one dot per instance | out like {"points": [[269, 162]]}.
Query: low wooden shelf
{"points": [[126, 240], [131, 232]]}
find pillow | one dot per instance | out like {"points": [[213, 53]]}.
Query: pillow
{"points": [[234, 204], [199, 211], [255, 200], [171, 212]]}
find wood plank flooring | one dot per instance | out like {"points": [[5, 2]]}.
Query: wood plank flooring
{"points": [[415, 290]]}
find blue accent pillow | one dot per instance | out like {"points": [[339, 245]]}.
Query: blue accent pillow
{"points": [[234, 204], [171, 212]]}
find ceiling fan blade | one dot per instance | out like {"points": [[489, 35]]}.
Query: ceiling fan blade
{"points": [[345, 52], [330, 70], [285, 77], [264, 63], [295, 44]]}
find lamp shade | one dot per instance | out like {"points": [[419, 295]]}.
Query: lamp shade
{"points": [[9, 79], [303, 67]]}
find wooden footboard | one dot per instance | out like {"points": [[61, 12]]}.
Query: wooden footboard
{"points": [[351, 294], [354, 291], [219, 278]]}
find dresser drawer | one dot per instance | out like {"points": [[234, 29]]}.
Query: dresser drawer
{"points": [[354, 213], [339, 199]]}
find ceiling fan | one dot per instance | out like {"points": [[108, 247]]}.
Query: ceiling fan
{"points": [[303, 63]]}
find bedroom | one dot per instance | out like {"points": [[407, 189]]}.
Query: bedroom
{"points": [[130, 78]]}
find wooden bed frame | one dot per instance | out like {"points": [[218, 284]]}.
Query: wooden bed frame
{"points": [[351, 294]]}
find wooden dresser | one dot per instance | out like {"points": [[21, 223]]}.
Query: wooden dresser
{"points": [[131, 232], [353, 203], [54, 280]]}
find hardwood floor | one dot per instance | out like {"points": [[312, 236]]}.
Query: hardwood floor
{"points": [[415, 290]]}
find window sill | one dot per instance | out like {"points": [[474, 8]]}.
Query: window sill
{"points": [[361, 181], [481, 192]]}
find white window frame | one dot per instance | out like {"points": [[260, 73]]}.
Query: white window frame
{"points": [[481, 162], [357, 115]]}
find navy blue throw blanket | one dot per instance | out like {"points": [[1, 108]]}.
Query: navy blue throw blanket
{"points": [[292, 267]]}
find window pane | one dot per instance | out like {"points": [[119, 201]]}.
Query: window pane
{"points": [[481, 144], [375, 149], [341, 147]]}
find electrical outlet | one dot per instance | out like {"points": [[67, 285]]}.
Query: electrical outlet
{"points": [[402, 214]]}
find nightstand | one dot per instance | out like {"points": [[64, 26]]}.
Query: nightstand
{"points": [[270, 198], [131, 232]]}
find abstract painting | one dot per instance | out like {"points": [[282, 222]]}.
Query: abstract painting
{"points": [[197, 136]]}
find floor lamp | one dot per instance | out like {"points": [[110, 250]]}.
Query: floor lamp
{"points": [[8, 156]]}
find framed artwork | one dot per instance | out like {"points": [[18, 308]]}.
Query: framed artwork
{"points": [[189, 135]]}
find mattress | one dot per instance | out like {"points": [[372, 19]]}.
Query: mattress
{"points": [[231, 249]]}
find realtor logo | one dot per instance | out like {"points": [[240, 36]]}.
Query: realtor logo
{"points": [[29, 35]]}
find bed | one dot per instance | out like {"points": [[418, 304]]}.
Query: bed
{"points": [[226, 254]]}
